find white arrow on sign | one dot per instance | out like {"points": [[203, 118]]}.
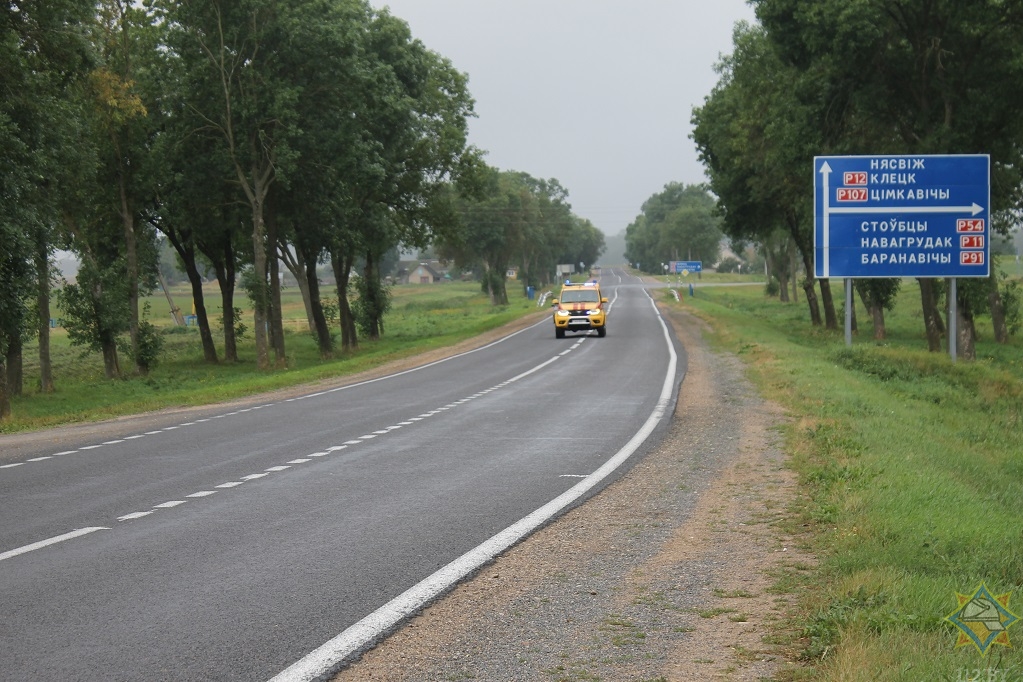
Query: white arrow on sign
{"points": [[972, 210], [826, 171], [826, 245]]}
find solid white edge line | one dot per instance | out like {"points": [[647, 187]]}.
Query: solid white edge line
{"points": [[326, 660], [51, 541]]}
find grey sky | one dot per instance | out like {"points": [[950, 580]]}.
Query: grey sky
{"points": [[595, 93]]}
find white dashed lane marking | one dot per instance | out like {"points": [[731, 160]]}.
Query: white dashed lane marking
{"points": [[274, 469]]}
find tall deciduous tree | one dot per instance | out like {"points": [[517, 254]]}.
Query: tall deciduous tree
{"points": [[246, 100], [43, 55], [678, 223], [913, 77]]}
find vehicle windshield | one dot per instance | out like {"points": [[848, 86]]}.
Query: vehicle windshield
{"points": [[580, 296]]}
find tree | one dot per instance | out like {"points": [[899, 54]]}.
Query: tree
{"points": [[757, 133], [678, 223], [246, 101], [126, 45], [912, 77], [43, 56]]}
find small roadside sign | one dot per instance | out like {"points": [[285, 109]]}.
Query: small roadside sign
{"points": [[902, 216]]}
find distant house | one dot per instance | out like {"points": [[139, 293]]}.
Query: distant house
{"points": [[424, 273]]}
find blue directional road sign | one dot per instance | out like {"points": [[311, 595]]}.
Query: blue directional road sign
{"points": [[902, 216], [678, 266]]}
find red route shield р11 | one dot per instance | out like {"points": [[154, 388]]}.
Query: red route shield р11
{"points": [[902, 216]]}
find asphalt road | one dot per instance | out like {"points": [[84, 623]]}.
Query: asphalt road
{"points": [[230, 546]]}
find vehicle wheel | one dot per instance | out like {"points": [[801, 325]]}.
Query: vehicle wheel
{"points": [[602, 331], [559, 333]]}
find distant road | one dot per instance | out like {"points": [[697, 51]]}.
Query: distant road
{"points": [[232, 545]]}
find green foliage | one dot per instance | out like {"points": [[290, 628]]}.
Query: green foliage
{"points": [[910, 468], [423, 318], [679, 223], [95, 308], [150, 344], [512, 219], [372, 303]]}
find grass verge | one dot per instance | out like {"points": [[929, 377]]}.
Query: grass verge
{"points": [[912, 472], [422, 318]]}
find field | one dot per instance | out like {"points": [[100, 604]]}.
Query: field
{"points": [[421, 318], [911, 468]]}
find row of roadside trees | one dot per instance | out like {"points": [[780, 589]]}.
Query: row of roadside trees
{"points": [[247, 133], [880, 77]]}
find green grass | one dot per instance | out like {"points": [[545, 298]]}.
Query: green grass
{"points": [[912, 472], [422, 318]]}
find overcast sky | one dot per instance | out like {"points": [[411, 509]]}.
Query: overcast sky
{"points": [[595, 93]]}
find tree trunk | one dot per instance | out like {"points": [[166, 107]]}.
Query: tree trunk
{"points": [[43, 316], [276, 314], [342, 267], [830, 316], [794, 265], [131, 258], [932, 316], [111, 363], [225, 279], [298, 269], [998, 321], [876, 316], [15, 366], [323, 340], [966, 332], [370, 275], [810, 289], [187, 254], [209, 348], [5, 398], [260, 306]]}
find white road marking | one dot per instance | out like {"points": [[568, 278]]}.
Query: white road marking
{"points": [[11, 466], [573, 475], [65, 452], [138, 435], [168, 505], [278, 468], [151, 433], [368, 436], [253, 477], [39, 459], [90, 447], [335, 448], [170, 428], [134, 515], [327, 659], [113, 442], [203, 493], [319, 454], [230, 484], [352, 442], [51, 541], [299, 461]]}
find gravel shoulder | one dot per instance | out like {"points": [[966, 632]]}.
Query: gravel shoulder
{"points": [[666, 574]]}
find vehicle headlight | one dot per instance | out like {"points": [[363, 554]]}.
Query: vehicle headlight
{"points": [[562, 313], [595, 311]]}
